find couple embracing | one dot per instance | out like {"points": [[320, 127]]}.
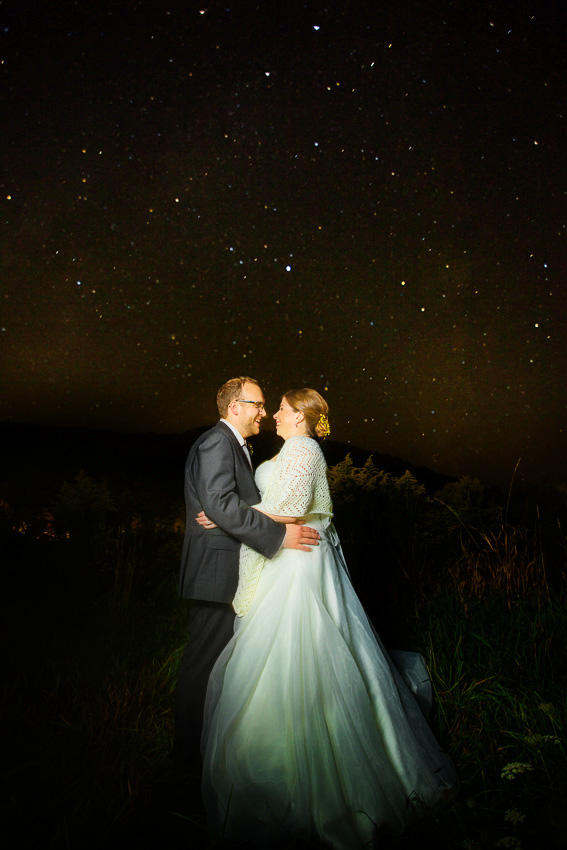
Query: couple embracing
{"points": [[309, 731]]}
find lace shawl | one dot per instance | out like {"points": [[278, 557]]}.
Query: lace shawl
{"points": [[298, 487]]}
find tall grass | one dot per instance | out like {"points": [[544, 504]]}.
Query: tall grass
{"points": [[499, 673], [87, 728], [505, 559], [494, 633]]}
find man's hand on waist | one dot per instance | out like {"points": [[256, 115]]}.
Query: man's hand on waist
{"points": [[300, 537]]}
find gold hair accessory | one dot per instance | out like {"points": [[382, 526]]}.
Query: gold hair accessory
{"points": [[323, 426]]}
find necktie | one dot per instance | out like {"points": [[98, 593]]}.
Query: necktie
{"points": [[246, 451]]}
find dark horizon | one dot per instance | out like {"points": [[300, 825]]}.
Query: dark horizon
{"points": [[81, 437]]}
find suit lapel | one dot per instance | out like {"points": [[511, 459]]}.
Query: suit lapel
{"points": [[240, 453]]}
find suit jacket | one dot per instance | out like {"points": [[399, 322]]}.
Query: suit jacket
{"points": [[219, 481]]}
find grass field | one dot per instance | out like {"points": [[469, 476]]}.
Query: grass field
{"points": [[91, 646]]}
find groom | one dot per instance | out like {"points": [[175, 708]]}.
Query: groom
{"points": [[219, 481]]}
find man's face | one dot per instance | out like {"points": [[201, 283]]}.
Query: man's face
{"points": [[247, 417]]}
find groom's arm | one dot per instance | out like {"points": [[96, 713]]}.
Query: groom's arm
{"points": [[214, 478]]}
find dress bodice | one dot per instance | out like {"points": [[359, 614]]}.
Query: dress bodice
{"points": [[263, 475]]}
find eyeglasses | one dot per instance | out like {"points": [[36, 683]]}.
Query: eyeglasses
{"points": [[259, 405]]}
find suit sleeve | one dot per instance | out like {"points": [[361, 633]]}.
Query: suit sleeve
{"points": [[213, 474]]}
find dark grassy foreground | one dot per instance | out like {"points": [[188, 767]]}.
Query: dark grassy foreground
{"points": [[93, 628]]}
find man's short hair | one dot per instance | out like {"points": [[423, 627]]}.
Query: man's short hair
{"points": [[231, 391]]}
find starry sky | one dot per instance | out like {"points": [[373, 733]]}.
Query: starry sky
{"points": [[365, 197]]}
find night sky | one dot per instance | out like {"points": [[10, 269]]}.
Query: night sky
{"points": [[364, 197]]}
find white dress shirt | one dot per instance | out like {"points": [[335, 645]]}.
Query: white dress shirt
{"points": [[240, 439]]}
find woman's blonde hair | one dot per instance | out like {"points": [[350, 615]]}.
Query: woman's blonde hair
{"points": [[314, 408]]}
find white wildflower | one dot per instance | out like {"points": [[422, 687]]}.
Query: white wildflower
{"points": [[538, 740], [514, 768], [514, 816], [551, 739], [510, 842]]}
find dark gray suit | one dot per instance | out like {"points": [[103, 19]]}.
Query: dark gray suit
{"points": [[218, 481]]}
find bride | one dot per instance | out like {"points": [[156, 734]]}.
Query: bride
{"points": [[310, 732]]}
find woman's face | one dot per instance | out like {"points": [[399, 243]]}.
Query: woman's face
{"points": [[288, 421]]}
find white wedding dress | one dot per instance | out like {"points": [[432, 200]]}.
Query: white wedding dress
{"points": [[310, 732]]}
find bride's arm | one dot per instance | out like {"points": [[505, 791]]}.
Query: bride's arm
{"points": [[278, 518], [205, 522]]}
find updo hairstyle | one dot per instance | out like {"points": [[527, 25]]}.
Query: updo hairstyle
{"points": [[314, 407]]}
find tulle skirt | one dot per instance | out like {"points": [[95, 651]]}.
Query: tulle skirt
{"points": [[310, 731]]}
